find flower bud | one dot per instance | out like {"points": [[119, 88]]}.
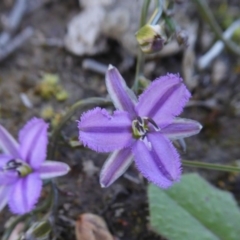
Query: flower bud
{"points": [[151, 38], [182, 38]]}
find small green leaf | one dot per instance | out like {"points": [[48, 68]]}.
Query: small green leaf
{"points": [[194, 209]]}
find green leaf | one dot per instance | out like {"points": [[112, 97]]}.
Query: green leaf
{"points": [[194, 209]]}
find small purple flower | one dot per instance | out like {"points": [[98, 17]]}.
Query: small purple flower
{"points": [[23, 165], [140, 129]]}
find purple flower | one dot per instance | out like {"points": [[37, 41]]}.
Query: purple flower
{"points": [[140, 129], [23, 165]]}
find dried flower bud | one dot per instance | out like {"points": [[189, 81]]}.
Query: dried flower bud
{"points": [[91, 227], [182, 38], [151, 38]]}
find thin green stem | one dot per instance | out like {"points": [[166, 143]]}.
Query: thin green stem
{"points": [[78, 105], [155, 18], [54, 205], [170, 23], [144, 13], [207, 15], [139, 70], [140, 56], [218, 167]]}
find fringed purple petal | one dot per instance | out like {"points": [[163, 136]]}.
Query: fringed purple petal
{"points": [[181, 128], [8, 177], [103, 132], [4, 195], [25, 194], [123, 98], [8, 144], [163, 99], [51, 169], [160, 164], [33, 140], [116, 164]]}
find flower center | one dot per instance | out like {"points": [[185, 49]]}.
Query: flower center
{"points": [[140, 127], [22, 168]]}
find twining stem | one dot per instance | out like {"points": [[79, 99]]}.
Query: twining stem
{"points": [[207, 15], [212, 166], [78, 105]]}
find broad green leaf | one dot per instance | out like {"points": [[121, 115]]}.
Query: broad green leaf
{"points": [[194, 210]]}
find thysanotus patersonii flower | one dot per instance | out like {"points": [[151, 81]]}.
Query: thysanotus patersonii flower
{"points": [[23, 165], [140, 129]]}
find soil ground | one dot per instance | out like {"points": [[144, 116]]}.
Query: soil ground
{"points": [[124, 204]]}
